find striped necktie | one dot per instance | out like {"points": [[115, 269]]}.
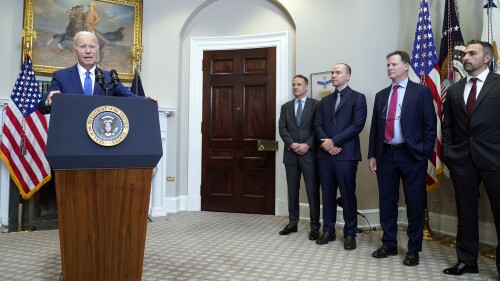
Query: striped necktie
{"points": [[298, 115]]}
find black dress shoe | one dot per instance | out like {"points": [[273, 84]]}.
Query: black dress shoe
{"points": [[460, 268], [350, 243], [314, 235], [288, 229], [384, 252], [325, 238], [411, 259]]}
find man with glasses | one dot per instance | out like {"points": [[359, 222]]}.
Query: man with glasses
{"points": [[402, 137]]}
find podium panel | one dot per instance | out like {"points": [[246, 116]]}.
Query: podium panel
{"points": [[102, 222], [69, 145], [103, 151]]}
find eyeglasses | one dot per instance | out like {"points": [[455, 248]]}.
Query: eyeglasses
{"points": [[384, 114]]}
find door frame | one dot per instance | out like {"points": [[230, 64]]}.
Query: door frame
{"points": [[198, 45]]}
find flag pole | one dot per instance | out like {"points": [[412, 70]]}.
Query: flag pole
{"points": [[425, 71], [428, 235]]}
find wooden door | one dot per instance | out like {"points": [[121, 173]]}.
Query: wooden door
{"points": [[239, 108]]}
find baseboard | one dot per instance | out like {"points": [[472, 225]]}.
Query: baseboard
{"points": [[439, 223]]}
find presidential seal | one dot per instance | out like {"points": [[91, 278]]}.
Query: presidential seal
{"points": [[107, 125]]}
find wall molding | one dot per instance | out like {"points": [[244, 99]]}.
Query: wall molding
{"points": [[198, 45]]}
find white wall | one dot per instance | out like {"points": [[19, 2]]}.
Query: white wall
{"points": [[323, 32]]}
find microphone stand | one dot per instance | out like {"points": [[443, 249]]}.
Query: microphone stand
{"points": [[358, 230], [99, 78]]}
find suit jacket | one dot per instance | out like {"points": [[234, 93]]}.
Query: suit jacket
{"points": [[291, 132], [418, 121], [343, 125], [68, 82], [479, 137]]}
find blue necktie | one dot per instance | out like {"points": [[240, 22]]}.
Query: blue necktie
{"points": [[298, 115], [87, 84]]}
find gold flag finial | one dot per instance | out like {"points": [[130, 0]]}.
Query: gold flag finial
{"points": [[28, 35], [137, 50]]}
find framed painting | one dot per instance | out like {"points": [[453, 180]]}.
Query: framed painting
{"points": [[49, 27], [321, 84]]}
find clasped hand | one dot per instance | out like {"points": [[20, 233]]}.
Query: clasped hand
{"points": [[300, 148], [328, 146]]}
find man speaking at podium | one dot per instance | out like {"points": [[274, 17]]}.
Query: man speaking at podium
{"points": [[82, 77]]}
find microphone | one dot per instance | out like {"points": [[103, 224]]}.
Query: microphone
{"points": [[114, 77], [99, 77], [114, 80]]}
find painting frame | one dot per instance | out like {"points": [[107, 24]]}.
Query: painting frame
{"points": [[321, 84], [123, 50]]}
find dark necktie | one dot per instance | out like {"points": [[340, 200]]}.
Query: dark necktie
{"points": [[298, 115], [391, 115], [337, 101], [87, 84], [471, 100]]}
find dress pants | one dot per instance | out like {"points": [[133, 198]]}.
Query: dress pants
{"points": [[339, 174], [293, 176], [466, 179], [395, 165]]}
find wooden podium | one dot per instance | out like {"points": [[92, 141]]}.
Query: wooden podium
{"points": [[102, 190]]}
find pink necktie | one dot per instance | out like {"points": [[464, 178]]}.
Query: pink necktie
{"points": [[391, 115], [471, 100]]}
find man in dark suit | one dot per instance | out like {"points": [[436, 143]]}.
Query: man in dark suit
{"points": [[296, 131], [339, 120], [471, 146], [402, 137], [80, 78]]}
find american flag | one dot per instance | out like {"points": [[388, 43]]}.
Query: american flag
{"points": [[452, 49], [136, 87], [424, 65], [25, 135]]}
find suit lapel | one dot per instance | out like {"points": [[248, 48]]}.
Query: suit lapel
{"points": [[409, 96], [489, 83], [460, 94], [384, 98], [291, 111], [75, 80], [344, 98], [306, 111]]}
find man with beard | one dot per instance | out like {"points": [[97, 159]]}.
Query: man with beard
{"points": [[471, 147]]}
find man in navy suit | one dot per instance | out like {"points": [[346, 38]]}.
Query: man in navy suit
{"points": [[72, 80], [340, 118], [296, 131], [402, 137], [471, 147]]}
